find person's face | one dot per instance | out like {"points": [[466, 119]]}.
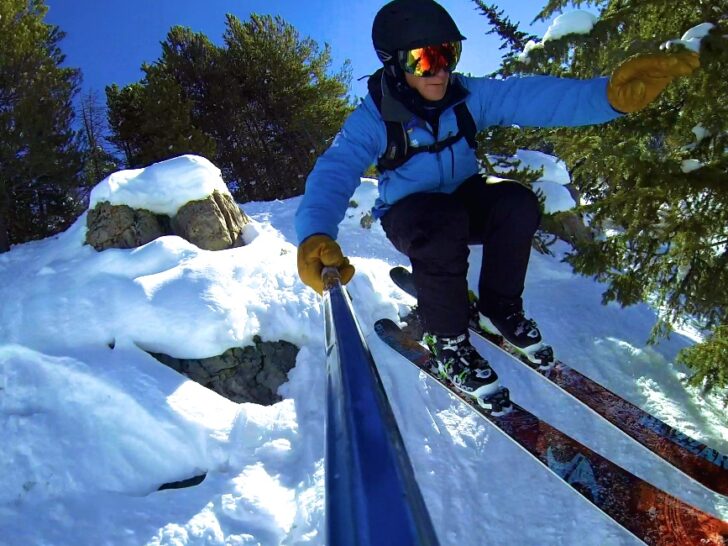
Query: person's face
{"points": [[431, 88]]}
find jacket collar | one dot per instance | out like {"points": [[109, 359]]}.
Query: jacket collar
{"points": [[401, 105]]}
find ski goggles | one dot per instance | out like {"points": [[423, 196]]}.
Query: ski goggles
{"points": [[429, 60]]}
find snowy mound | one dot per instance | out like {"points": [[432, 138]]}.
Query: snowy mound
{"points": [[161, 188]]}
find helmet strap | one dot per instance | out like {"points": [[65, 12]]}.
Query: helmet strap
{"points": [[396, 77]]}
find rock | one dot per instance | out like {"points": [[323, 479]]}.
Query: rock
{"points": [[120, 226], [249, 374], [367, 220], [567, 226], [213, 223]]}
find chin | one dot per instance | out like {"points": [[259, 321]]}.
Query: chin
{"points": [[436, 96]]}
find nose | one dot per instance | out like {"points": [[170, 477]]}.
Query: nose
{"points": [[441, 74]]}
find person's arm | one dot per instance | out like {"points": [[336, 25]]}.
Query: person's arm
{"points": [[547, 101], [329, 187], [541, 101], [338, 172]]}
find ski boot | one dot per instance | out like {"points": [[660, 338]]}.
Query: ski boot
{"points": [[459, 363], [520, 333]]}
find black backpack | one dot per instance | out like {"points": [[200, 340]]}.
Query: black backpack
{"points": [[395, 116]]}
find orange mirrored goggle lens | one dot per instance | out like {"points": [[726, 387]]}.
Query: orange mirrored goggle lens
{"points": [[429, 60]]}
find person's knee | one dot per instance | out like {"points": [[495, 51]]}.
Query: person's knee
{"points": [[431, 227], [442, 237], [523, 202]]}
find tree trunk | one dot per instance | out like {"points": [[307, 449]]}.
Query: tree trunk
{"points": [[4, 227]]}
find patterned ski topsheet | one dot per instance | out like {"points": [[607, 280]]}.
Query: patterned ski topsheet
{"points": [[650, 514], [699, 462]]}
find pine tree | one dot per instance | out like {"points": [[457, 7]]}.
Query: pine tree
{"points": [[664, 223], [262, 106], [153, 120], [39, 159], [290, 107], [98, 162]]}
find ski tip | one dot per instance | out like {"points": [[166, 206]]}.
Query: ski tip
{"points": [[384, 324], [399, 274]]}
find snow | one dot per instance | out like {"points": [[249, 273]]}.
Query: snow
{"points": [[691, 39], [193, 178], [552, 182], [558, 198], [523, 56], [92, 424], [574, 22], [690, 165], [700, 133]]}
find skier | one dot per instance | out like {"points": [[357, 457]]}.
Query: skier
{"points": [[418, 125]]}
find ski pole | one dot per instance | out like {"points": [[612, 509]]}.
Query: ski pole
{"points": [[372, 497]]}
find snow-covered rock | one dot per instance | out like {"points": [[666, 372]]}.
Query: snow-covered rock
{"points": [[183, 196]]}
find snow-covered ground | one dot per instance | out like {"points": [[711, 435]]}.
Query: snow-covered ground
{"points": [[91, 425]]}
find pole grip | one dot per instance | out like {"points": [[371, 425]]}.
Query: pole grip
{"points": [[331, 277]]}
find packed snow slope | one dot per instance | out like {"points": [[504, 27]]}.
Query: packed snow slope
{"points": [[91, 424]]}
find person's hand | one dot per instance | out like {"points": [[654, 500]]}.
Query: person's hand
{"points": [[639, 80], [317, 252]]}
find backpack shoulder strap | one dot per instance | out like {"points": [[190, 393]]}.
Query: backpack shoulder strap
{"points": [[466, 124], [397, 151]]}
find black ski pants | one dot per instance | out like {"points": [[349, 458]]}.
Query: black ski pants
{"points": [[434, 230]]}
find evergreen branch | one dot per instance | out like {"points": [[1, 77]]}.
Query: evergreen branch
{"points": [[512, 38]]}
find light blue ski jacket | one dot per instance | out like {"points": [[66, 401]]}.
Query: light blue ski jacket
{"points": [[533, 101]]}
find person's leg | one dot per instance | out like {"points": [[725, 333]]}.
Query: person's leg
{"points": [[432, 230], [504, 218]]}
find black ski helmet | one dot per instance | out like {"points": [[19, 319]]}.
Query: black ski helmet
{"points": [[407, 24]]}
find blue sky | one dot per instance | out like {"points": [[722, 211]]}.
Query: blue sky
{"points": [[110, 39]]}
